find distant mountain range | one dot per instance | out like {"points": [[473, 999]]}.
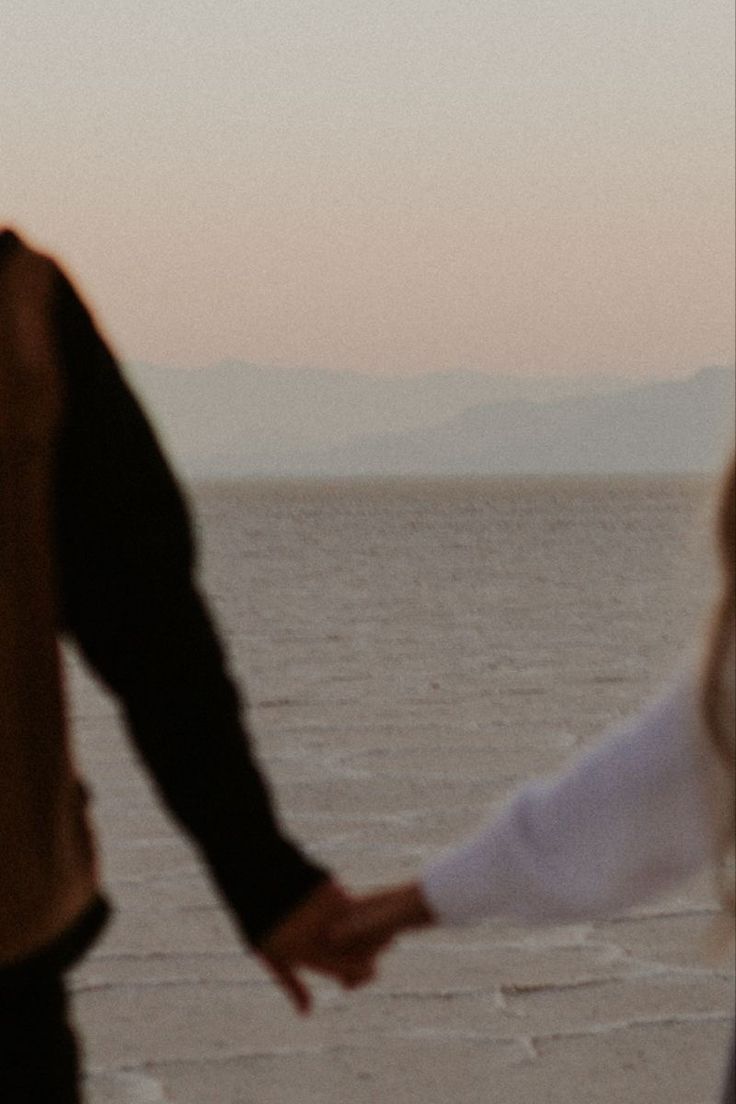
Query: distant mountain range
{"points": [[241, 419]]}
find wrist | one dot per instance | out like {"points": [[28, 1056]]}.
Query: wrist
{"points": [[416, 909]]}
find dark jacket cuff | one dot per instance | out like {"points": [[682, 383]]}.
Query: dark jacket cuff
{"points": [[261, 894]]}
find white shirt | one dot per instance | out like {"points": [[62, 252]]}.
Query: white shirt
{"points": [[630, 819]]}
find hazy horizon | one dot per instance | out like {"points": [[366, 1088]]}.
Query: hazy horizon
{"points": [[395, 189], [249, 420]]}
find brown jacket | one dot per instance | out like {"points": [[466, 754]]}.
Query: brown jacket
{"points": [[47, 868]]}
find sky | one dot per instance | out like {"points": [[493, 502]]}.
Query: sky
{"points": [[394, 187]]}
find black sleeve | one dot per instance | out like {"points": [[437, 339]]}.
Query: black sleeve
{"points": [[131, 605]]}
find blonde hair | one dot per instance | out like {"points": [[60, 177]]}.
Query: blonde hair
{"points": [[717, 685]]}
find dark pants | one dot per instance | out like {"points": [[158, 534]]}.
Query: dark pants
{"points": [[729, 1088], [38, 1051]]}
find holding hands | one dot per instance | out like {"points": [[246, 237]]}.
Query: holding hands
{"points": [[339, 936], [376, 918]]}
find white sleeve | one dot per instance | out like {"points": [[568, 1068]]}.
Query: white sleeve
{"points": [[629, 820]]}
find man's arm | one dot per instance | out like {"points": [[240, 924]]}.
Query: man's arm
{"points": [[130, 603]]}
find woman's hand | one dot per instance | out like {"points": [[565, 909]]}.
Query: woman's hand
{"points": [[375, 919]]}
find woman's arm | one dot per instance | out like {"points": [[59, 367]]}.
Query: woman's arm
{"points": [[630, 819], [627, 821]]}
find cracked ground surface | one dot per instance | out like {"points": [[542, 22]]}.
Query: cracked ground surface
{"points": [[412, 653]]}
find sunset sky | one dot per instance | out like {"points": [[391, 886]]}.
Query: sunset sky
{"points": [[389, 186]]}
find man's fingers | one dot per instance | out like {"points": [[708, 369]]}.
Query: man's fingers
{"points": [[351, 973], [292, 985], [354, 977], [351, 969], [370, 925]]}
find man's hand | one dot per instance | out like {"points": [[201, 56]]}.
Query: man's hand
{"points": [[303, 940]]}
